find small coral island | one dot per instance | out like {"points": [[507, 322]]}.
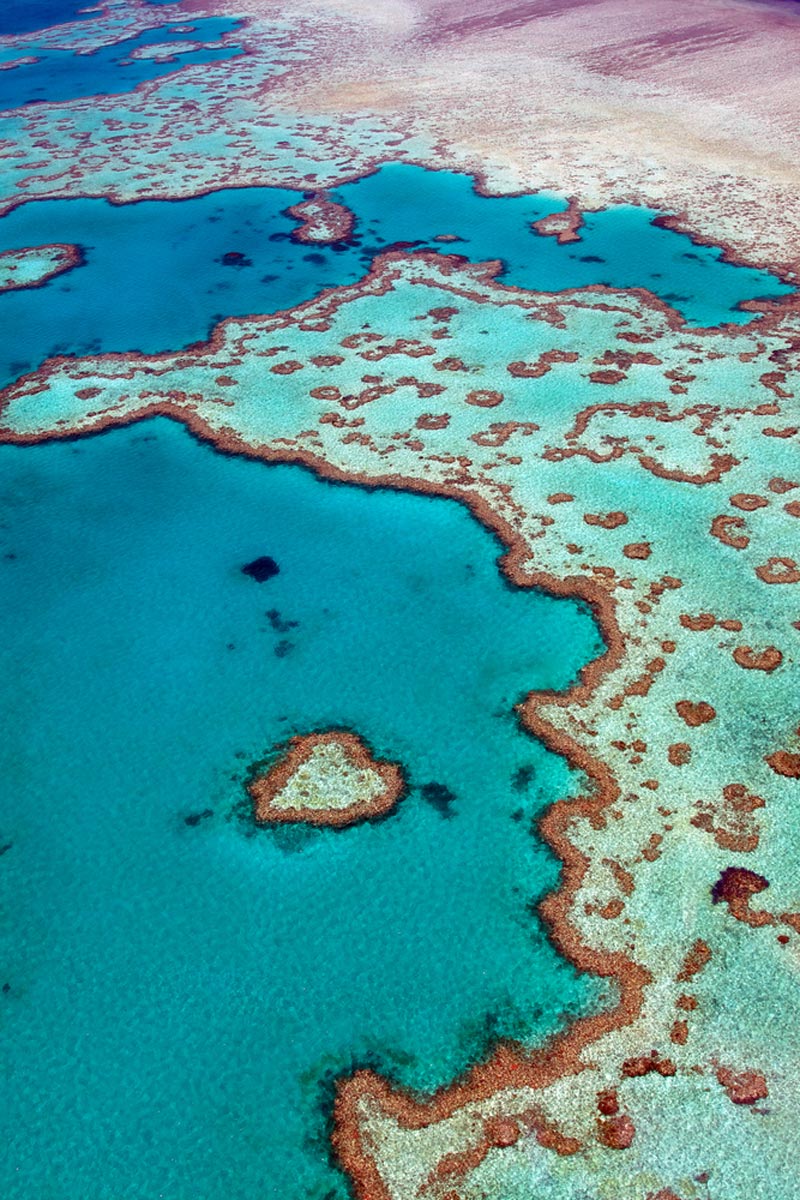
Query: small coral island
{"points": [[36, 265], [326, 778]]}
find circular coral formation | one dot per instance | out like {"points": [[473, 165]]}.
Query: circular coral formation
{"points": [[432, 421], [748, 502], [779, 569], [721, 527], [484, 398]]}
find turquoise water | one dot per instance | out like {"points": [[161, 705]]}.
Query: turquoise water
{"points": [[64, 75], [619, 247], [155, 277], [178, 997]]}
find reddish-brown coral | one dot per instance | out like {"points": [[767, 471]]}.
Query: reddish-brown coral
{"points": [[758, 660], [563, 226], [611, 520], [694, 714], [702, 621], [743, 1087], [736, 887], [786, 763], [697, 957], [731, 820], [616, 1132], [679, 753], [779, 569], [637, 550], [721, 527], [484, 398], [265, 787], [748, 502]]}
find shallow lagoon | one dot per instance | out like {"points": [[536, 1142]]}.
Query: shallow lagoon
{"points": [[61, 75], [156, 278], [181, 995]]}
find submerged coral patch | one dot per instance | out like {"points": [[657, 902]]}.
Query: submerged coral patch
{"points": [[261, 569]]}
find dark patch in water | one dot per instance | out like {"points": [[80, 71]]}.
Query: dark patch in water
{"points": [[294, 838], [235, 258], [196, 818], [283, 648], [502, 1023], [241, 809], [591, 258], [522, 778], [279, 623], [7, 846], [261, 569], [439, 797]]}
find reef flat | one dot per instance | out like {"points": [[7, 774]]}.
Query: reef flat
{"points": [[617, 406]]}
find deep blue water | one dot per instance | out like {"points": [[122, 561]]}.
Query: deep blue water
{"points": [[155, 277], [24, 16], [63, 75], [180, 996]]}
